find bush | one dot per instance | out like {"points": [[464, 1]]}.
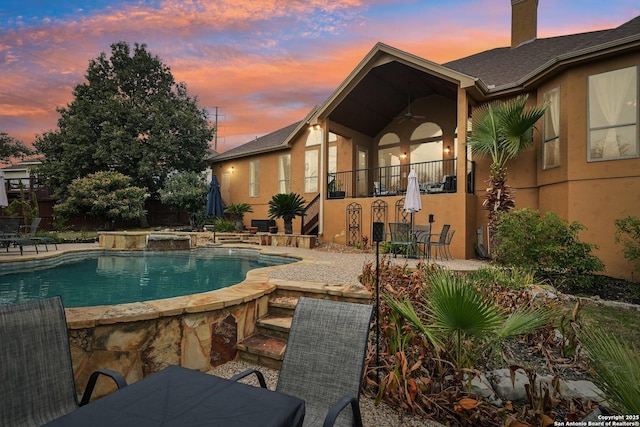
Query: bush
{"points": [[224, 225], [628, 233], [545, 244], [108, 196]]}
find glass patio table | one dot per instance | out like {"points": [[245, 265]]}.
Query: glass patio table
{"points": [[183, 397]]}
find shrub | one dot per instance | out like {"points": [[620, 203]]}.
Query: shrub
{"points": [[628, 233], [545, 244], [108, 196]]}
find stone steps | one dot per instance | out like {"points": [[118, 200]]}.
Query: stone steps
{"points": [[266, 347]]}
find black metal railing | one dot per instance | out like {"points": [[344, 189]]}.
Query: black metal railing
{"points": [[439, 176]]}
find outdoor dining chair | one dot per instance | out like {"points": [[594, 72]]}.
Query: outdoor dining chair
{"points": [[423, 238], [401, 238], [35, 364], [324, 360], [441, 245]]}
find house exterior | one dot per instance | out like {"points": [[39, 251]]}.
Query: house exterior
{"points": [[396, 112]]}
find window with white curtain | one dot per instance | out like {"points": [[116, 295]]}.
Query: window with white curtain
{"points": [[551, 130], [613, 115], [254, 178], [284, 173], [311, 171]]}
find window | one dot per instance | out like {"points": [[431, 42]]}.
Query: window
{"points": [[613, 115], [284, 173], [311, 171], [254, 178], [551, 130], [389, 155], [314, 137]]}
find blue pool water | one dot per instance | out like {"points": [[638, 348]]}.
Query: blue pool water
{"points": [[106, 279]]}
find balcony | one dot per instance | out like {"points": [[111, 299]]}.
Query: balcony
{"points": [[434, 177]]}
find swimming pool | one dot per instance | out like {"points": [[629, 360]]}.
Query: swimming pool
{"points": [[117, 278]]}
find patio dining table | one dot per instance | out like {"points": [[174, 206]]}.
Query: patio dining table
{"points": [[182, 397]]}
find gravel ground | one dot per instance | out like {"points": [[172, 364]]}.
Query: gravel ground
{"points": [[373, 415]]}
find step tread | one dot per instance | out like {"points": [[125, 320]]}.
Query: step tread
{"points": [[264, 346], [281, 323], [284, 302]]}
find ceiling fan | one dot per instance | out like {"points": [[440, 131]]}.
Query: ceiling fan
{"points": [[408, 115]]}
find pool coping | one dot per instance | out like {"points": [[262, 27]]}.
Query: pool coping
{"points": [[256, 285]]}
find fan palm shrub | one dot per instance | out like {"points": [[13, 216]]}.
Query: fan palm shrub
{"points": [[617, 369], [461, 321], [501, 130], [286, 206]]}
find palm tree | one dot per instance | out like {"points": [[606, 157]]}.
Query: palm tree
{"points": [[287, 207], [501, 130]]}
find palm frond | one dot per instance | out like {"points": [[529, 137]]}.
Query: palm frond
{"points": [[457, 307], [405, 309], [617, 368]]}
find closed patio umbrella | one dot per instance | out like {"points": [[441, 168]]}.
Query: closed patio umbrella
{"points": [[214, 199], [412, 200], [4, 202]]}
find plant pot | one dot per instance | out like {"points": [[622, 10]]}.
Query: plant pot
{"points": [[273, 229], [336, 194], [253, 230]]}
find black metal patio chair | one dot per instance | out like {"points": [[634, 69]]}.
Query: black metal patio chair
{"points": [[324, 360], [401, 239], [35, 365]]}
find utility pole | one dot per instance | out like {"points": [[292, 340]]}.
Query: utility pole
{"points": [[215, 132]]}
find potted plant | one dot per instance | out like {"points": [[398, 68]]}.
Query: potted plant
{"points": [[236, 211], [335, 190], [287, 207]]}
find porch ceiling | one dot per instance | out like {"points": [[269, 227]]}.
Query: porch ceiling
{"points": [[382, 95]]}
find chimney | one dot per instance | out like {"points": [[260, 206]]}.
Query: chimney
{"points": [[524, 21]]}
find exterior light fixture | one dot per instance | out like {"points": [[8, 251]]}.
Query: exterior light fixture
{"points": [[403, 155], [231, 169], [447, 150]]}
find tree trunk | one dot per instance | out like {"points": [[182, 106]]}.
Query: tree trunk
{"points": [[288, 226]]}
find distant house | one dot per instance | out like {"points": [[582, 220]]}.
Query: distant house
{"points": [[350, 157]]}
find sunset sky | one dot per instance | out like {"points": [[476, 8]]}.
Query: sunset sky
{"points": [[265, 64]]}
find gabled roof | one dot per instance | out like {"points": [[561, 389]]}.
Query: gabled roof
{"points": [[504, 67], [272, 141], [383, 84]]}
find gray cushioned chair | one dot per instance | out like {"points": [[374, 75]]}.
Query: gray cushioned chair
{"points": [[324, 360], [36, 374]]}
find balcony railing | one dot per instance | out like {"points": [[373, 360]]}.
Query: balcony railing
{"points": [[433, 177]]}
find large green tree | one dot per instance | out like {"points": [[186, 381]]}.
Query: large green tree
{"points": [[130, 116], [11, 147], [501, 130]]}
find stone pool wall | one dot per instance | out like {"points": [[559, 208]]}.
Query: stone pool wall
{"points": [[141, 338]]}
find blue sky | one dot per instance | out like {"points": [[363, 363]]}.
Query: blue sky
{"points": [[265, 64]]}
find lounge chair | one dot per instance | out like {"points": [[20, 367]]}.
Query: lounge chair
{"points": [[35, 365], [324, 360], [10, 234], [29, 232]]}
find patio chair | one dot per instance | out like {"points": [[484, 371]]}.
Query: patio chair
{"points": [[379, 189], [10, 234], [423, 237], [35, 364], [440, 244], [324, 360], [401, 238], [29, 232]]}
